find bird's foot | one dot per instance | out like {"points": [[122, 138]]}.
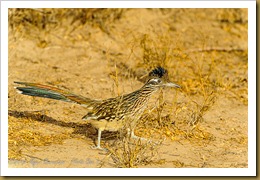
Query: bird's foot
{"points": [[133, 136], [99, 148]]}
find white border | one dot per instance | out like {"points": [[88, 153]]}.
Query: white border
{"points": [[250, 171], [127, 4]]}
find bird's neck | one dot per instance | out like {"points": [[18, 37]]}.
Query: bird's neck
{"points": [[142, 95], [147, 90]]}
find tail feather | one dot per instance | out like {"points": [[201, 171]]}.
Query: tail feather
{"points": [[41, 93], [40, 90]]}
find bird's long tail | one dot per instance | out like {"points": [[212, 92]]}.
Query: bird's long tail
{"points": [[40, 90]]}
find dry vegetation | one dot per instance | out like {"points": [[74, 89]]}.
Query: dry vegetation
{"points": [[101, 53]]}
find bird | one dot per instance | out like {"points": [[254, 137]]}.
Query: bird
{"points": [[109, 114]]}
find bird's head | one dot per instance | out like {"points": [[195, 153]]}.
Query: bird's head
{"points": [[158, 77]]}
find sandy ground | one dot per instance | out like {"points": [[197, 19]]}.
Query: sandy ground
{"points": [[104, 57]]}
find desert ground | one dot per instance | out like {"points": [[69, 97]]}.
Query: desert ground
{"points": [[103, 53]]}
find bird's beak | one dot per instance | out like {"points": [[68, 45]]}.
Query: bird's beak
{"points": [[170, 84]]}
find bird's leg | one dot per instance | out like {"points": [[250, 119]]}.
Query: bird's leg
{"points": [[99, 139], [131, 133], [137, 137], [133, 136]]}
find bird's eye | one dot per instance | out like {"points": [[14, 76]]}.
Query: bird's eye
{"points": [[155, 81]]}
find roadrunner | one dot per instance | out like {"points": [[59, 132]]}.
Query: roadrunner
{"points": [[110, 114]]}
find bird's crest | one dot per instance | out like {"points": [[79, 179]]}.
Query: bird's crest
{"points": [[158, 72]]}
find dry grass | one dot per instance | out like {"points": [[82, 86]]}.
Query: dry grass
{"points": [[24, 132], [132, 153], [35, 20]]}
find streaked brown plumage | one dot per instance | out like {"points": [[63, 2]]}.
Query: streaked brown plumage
{"points": [[110, 114]]}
